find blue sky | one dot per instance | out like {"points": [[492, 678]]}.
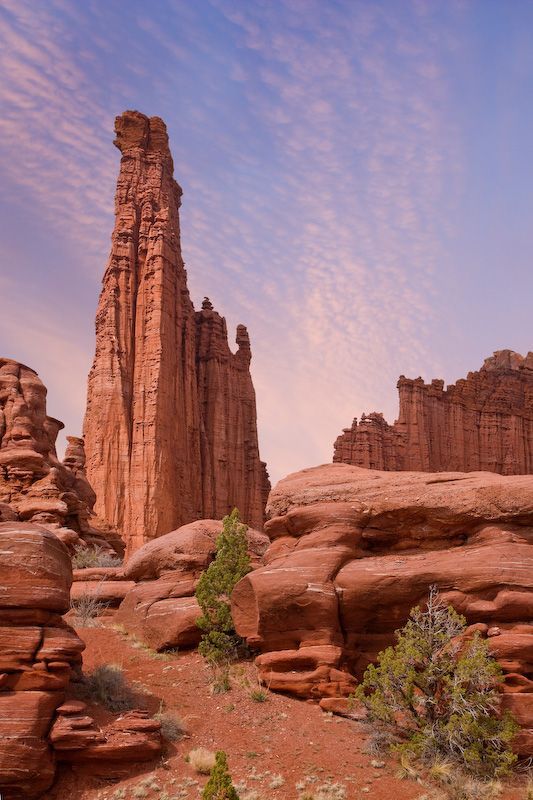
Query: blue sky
{"points": [[357, 188]]}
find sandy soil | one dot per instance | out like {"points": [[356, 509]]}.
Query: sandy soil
{"points": [[278, 749]]}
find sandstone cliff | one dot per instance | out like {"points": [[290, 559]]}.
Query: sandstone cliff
{"points": [[484, 422], [170, 427]]}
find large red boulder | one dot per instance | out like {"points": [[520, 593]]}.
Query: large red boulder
{"points": [[353, 550], [161, 608]]}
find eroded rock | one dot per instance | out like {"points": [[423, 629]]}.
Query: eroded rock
{"points": [[353, 550]]}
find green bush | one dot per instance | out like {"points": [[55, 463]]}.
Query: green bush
{"points": [[219, 642], [440, 693], [219, 785]]}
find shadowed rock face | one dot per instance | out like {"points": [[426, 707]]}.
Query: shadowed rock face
{"points": [[34, 485], [484, 422], [170, 427], [353, 550]]}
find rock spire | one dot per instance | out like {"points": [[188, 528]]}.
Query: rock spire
{"points": [[170, 427]]}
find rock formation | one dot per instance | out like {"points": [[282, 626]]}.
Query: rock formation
{"points": [[484, 422], [34, 485], [161, 609], [353, 550], [170, 427], [39, 654]]}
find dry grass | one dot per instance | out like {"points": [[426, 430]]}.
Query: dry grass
{"points": [[87, 608], [85, 557], [107, 685], [172, 726], [202, 760]]}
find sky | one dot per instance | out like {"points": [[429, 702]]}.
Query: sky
{"points": [[357, 189]]}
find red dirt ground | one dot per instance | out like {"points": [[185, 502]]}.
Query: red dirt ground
{"points": [[280, 737]]}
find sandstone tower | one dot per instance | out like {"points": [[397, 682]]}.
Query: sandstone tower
{"points": [[170, 427]]}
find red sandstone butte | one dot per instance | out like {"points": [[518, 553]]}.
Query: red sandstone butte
{"points": [[353, 550], [170, 427], [484, 422]]}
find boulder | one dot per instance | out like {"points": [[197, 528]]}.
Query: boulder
{"points": [[161, 609], [353, 550]]}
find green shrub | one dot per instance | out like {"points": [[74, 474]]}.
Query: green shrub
{"points": [[219, 642], [440, 694], [220, 786]]}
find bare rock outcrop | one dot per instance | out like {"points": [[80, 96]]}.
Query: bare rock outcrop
{"points": [[484, 422], [353, 550], [161, 608], [34, 485], [39, 655], [170, 427]]}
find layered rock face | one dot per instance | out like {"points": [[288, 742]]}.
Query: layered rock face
{"points": [[353, 550], [484, 422], [170, 427], [34, 485], [38, 653], [161, 608]]}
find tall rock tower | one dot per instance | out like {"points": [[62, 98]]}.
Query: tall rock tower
{"points": [[170, 427]]}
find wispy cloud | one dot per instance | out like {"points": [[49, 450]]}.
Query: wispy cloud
{"points": [[314, 146]]}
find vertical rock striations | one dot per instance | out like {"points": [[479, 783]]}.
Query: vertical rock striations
{"points": [[484, 422], [170, 427]]}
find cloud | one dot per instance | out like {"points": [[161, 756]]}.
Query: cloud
{"points": [[314, 146]]}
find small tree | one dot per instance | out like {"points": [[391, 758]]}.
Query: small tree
{"points": [[219, 785], [219, 642], [439, 692]]}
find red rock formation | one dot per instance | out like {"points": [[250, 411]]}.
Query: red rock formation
{"points": [[34, 485], [484, 422], [161, 609], [353, 550], [39, 654], [170, 428]]}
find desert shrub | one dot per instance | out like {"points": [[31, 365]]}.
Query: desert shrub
{"points": [[220, 643], [202, 760], [172, 727], [440, 693], [94, 557], [220, 786], [87, 608], [108, 686]]}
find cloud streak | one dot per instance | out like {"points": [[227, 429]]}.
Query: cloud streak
{"points": [[316, 150]]}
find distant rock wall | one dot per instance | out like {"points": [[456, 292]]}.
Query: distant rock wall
{"points": [[484, 422], [170, 427]]}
